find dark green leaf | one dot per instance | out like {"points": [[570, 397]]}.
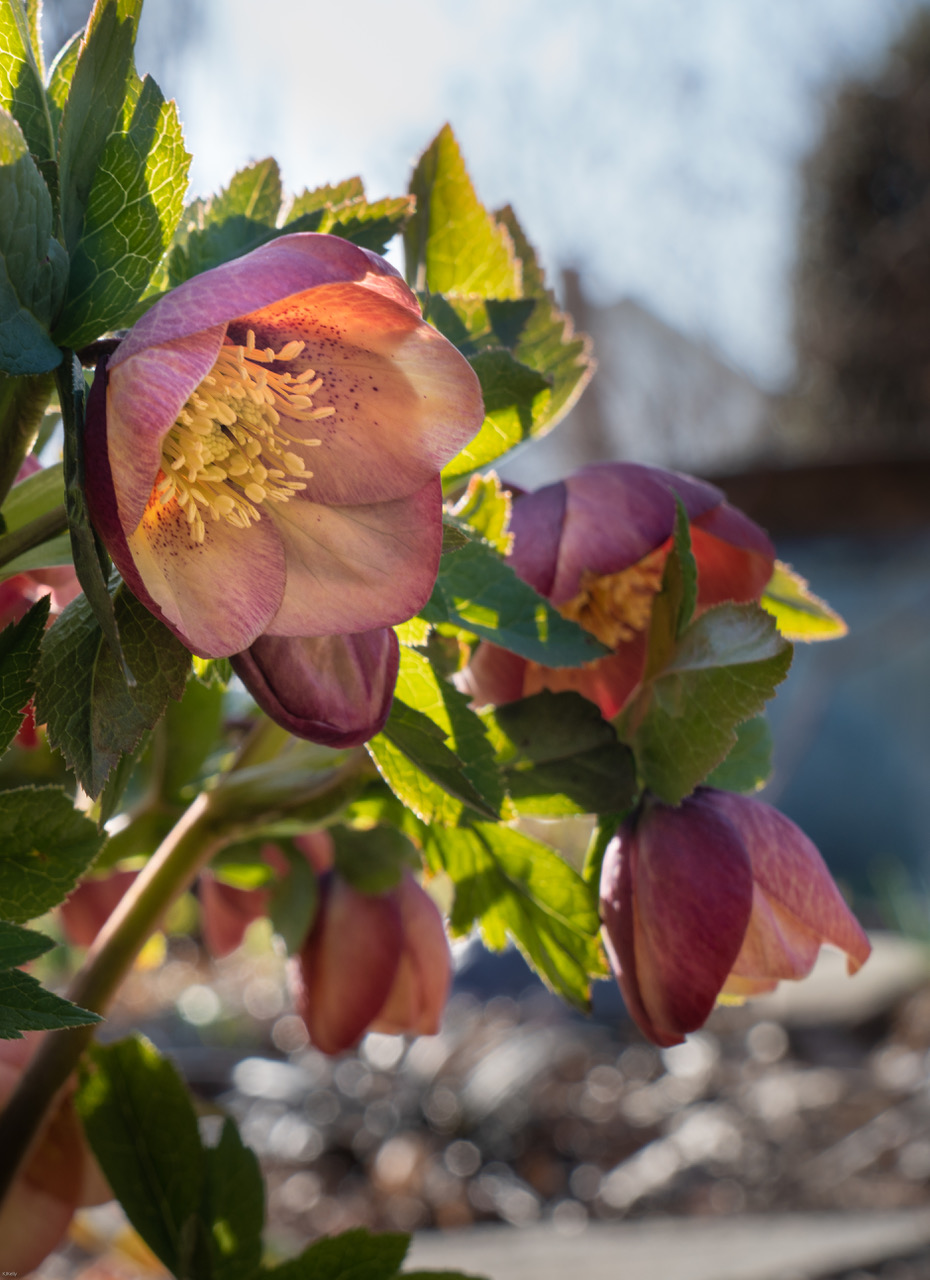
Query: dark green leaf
{"points": [[34, 496], [512, 393], [294, 900], [749, 764], [420, 769], [91, 562], [142, 1128], [683, 724], [33, 266], [453, 539], [22, 92], [93, 716], [189, 732], [565, 757], [479, 592], [452, 243], [19, 653], [373, 860], [354, 1255], [19, 946], [673, 605], [234, 1207], [45, 848], [517, 887], [102, 80], [239, 219], [548, 342], [25, 1005], [133, 208]]}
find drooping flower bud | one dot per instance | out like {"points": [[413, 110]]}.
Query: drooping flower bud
{"points": [[371, 962], [721, 896]]}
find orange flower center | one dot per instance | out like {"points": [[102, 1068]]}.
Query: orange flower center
{"points": [[228, 451], [615, 606]]}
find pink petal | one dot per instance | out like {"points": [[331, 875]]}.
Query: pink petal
{"points": [[218, 595], [352, 569], [735, 559], [791, 873], [144, 395], [346, 968], [608, 682], [616, 514], [336, 690], [676, 894], [421, 988], [493, 677], [290, 264], [226, 912], [406, 400], [776, 945]]}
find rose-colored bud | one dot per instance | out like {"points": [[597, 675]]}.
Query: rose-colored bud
{"points": [[595, 545], [721, 896], [60, 1176], [264, 451], [371, 962]]}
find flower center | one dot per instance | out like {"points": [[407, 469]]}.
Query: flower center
{"points": [[615, 606], [227, 452]]}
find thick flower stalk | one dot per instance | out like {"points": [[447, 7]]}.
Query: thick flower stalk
{"points": [[720, 897], [371, 962], [595, 545], [264, 450]]}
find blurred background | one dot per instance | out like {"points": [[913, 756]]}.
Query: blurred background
{"points": [[733, 199]]}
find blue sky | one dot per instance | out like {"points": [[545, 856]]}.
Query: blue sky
{"points": [[654, 144]]}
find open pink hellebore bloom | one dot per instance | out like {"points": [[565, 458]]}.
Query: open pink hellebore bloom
{"points": [[264, 450], [721, 896], [595, 545], [371, 963]]}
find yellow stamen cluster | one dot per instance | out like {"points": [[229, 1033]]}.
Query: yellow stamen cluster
{"points": [[228, 450], [615, 606]]}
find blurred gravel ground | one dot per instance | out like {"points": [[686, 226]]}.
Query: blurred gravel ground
{"points": [[816, 1102]]}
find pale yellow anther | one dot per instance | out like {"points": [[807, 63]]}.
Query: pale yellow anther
{"points": [[227, 452]]}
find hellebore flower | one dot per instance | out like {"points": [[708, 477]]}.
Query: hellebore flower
{"points": [[60, 1176], [264, 450], [595, 545], [721, 896], [371, 963]]}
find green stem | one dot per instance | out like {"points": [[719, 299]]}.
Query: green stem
{"points": [[33, 534], [214, 819], [22, 404]]}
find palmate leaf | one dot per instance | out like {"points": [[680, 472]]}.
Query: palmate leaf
{"points": [[354, 1255], [517, 887], [684, 723], [480, 593], [22, 92], [93, 716], [19, 655], [103, 77], [200, 1210], [749, 763], [25, 1005], [434, 752], [45, 848], [33, 266], [452, 244], [485, 508], [133, 208], [562, 757]]}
